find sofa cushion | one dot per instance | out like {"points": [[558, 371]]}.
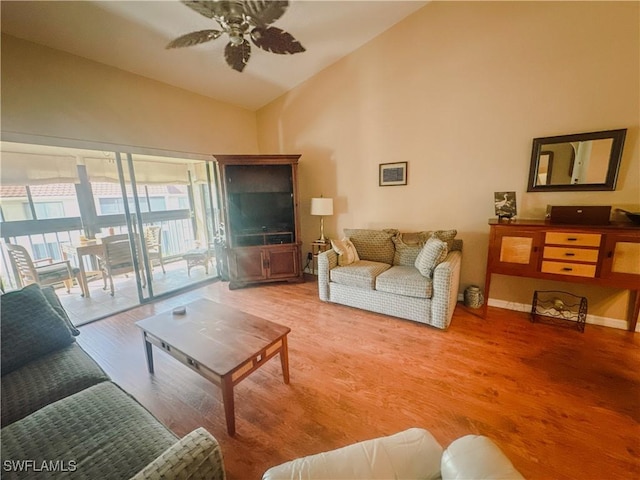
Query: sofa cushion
{"points": [[47, 380], [408, 246], [373, 245], [361, 274], [431, 255], [102, 430], [30, 328], [407, 281]]}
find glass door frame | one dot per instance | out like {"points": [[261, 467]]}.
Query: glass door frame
{"points": [[134, 227]]}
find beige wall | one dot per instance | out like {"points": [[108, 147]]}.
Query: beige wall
{"points": [[459, 90], [47, 92]]}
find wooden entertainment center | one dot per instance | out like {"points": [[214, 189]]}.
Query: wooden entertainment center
{"points": [[259, 200], [604, 255]]}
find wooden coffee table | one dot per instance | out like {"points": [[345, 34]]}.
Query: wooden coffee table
{"points": [[220, 343]]}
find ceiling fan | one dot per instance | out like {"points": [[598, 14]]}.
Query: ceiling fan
{"points": [[242, 20]]}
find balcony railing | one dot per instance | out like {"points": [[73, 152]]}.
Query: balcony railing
{"points": [[177, 237]]}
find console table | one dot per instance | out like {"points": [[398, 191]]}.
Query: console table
{"points": [[604, 255]]}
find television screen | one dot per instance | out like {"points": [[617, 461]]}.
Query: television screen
{"points": [[261, 212]]}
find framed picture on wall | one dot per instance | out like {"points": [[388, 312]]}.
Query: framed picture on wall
{"points": [[393, 174]]}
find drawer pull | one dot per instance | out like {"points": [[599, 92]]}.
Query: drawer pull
{"points": [[567, 269], [569, 254], [572, 239]]}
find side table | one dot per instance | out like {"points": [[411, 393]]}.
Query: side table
{"points": [[317, 248], [197, 257]]}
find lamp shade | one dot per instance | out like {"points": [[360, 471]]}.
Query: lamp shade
{"points": [[322, 206]]}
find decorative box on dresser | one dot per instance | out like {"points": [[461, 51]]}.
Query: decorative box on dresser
{"points": [[605, 255], [259, 203]]}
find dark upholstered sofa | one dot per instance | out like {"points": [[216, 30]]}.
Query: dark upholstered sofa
{"points": [[62, 417]]}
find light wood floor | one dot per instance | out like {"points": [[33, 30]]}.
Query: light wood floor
{"points": [[561, 404]]}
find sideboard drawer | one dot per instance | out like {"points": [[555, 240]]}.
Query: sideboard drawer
{"points": [[575, 269], [576, 239], [573, 254]]}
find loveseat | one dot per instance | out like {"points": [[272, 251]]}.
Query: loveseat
{"points": [[411, 454], [415, 276], [62, 417]]}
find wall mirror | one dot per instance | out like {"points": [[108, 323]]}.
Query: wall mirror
{"points": [[583, 161]]}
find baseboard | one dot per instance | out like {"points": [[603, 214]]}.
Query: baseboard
{"points": [[591, 319]]}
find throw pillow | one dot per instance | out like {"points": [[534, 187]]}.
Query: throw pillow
{"points": [[373, 245], [446, 236], [431, 255], [347, 253], [338, 246], [50, 294], [350, 254], [408, 246], [30, 328]]}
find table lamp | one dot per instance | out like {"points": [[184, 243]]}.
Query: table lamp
{"points": [[322, 207]]}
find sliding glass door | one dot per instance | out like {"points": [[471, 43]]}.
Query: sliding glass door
{"points": [[164, 206]]}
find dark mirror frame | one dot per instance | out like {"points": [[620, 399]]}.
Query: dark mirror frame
{"points": [[618, 137]]}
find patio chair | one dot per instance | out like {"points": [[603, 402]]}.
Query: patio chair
{"points": [[116, 259], [153, 242], [29, 272]]}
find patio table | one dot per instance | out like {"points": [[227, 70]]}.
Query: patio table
{"points": [[90, 248]]}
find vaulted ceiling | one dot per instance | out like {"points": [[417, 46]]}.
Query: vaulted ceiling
{"points": [[132, 36]]}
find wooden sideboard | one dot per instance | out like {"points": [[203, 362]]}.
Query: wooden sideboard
{"points": [[605, 255]]}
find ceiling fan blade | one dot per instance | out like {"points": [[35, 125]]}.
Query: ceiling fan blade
{"points": [[274, 40], [194, 38], [237, 56], [207, 8], [264, 12]]}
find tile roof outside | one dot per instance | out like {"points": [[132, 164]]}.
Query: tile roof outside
{"points": [[99, 189]]}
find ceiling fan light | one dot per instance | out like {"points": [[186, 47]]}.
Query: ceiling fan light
{"points": [[236, 34], [236, 38]]}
